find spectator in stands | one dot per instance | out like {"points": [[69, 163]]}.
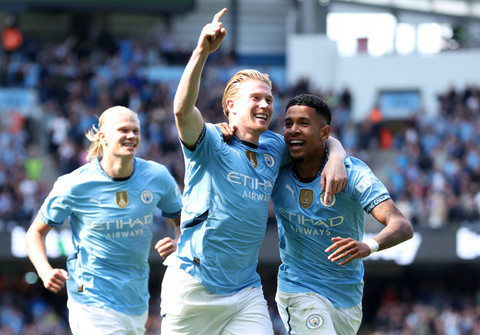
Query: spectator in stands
{"points": [[12, 36], [53, 61]]}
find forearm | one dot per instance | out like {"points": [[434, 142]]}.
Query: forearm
{"points": [[37, 252], [334, 174], [187, 117], [334, 147], [397, 231], [176, 225], [189, 85]]}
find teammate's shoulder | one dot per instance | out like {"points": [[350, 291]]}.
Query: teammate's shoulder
{"points": [[210, 127], [351, 161], [269, 138], [285, 171], [356, 168], [212, 131], [270, 134]]}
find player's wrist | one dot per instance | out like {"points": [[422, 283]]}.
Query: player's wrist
{"points": [[372, 244]]}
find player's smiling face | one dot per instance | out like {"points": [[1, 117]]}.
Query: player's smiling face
{"points": [[121, 136], [305, 132], [252, 109]]}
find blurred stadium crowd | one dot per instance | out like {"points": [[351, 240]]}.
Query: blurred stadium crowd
{"points": [[434, 176]]}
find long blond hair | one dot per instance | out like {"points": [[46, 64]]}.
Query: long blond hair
{"points": [[95, 150], [241, 76]]}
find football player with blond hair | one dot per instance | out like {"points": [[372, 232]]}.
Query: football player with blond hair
{"points": [[211, 285], [109, 203]]}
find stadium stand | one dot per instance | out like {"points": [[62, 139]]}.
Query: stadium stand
{"points": [[430, 163]]}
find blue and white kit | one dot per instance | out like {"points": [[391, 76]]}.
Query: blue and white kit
{"points": [[111, 222], [226, 199], [306, 225]]}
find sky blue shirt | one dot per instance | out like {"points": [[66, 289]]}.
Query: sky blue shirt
{"points": [[306, 226], [111, 222], [225, 209]]}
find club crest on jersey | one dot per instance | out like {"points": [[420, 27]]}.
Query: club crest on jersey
{"points": [[269, 160], [331, 200], [252, 158], [306, 197], [121, 198], [314, 321], [146, 196]]}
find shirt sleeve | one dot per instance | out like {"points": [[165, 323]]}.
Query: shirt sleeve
{"points": [[57, 206], [366, 188], [171, 201]]}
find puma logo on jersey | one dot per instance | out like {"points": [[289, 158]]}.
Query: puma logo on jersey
{"points": [[95, 201], [288, 187]]}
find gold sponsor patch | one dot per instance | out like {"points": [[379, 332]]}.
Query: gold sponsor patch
{"points": [[306, 197], [122, 199], [252, 157]]}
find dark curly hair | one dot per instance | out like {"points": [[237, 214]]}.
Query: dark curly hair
{"points": [[314, 102]]}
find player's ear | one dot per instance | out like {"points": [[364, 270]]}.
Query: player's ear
{"points": [[325, 132], [102, 138], [230, 104]]}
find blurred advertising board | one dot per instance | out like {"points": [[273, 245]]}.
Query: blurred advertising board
{"points": [[445, 247]]}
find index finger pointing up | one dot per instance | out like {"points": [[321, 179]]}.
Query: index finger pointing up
{"points": [[217, 16]]}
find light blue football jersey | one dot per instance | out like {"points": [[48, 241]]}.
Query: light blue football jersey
{"points": [[225, 208], [306, 225], [111, 222]]}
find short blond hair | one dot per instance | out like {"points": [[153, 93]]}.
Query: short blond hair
{"points": [[96, 149], [241, 76]]}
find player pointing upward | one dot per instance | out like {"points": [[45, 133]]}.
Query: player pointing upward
{"points": [[211, 285]]}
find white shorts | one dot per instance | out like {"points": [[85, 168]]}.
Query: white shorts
{"points": [[310, 313], [188, 308], [92, 320]]}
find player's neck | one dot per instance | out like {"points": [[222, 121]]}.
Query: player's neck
{"points": [[247, 136], [117, 167], [308, 168]]}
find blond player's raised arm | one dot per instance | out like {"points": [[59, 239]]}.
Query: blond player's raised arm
{"points": [[188, 118]]}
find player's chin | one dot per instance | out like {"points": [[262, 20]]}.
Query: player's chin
{"points": [[264, 124], [259, 129], [296, 156], [130, 153], [296, 152]]}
